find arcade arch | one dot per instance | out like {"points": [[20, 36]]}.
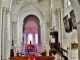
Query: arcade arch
{"points": [[31, 31]]}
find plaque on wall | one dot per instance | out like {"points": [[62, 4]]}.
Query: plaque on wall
{"points": [[74, 45]]}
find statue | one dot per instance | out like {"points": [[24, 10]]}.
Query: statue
{"points": [[30, 42]]}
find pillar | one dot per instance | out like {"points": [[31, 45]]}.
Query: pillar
{"points": [[78, 32], [57, 14], [5, 33], [25, 44], [15, 32], [26, 39], [56, 19], [34, 39], [8, 33], [57, 56], [13, 41], [62, 30], [47, 48], [0, 31], [69, 36], [43, 40]]}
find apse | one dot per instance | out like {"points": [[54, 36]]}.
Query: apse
{"points": [[31, 34], [31, 30]]}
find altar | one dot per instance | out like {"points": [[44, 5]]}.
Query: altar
{"points": [[30, 48]]}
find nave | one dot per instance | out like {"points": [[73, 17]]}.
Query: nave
{"points": [[40, 28]]}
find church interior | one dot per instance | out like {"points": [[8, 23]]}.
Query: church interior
{"points": [[39, 29]]}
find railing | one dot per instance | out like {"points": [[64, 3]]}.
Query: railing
{"points": [[55, 48]]}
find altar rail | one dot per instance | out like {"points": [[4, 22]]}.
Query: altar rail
{"points": [[45, 58], [18, 58], [36, 58]]}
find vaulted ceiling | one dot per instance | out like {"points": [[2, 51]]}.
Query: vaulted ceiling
{"points": [[44, 5]]}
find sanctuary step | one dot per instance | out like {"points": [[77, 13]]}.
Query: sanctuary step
{"points": [[36, 58]]}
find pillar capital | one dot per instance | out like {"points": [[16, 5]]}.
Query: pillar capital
{"points": [[5, 10], [57, 11]]}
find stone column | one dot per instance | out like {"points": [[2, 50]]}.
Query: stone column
{"points": [[36, 44], [15, 48], [5, 33], [3, 16], [24, 43], [56, 19], [60, 34], [26, 39], [34, 39], [57, 14], [14, 39], [0, 31], [58, 23], [69, 45], [20, 31], [57, 56], [47, 48], [15, 32], [8, 33], [11, 28], [78, 32], [63, 35], [42, 36]]}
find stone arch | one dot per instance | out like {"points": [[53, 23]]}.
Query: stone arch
{"points": [[31, 10], [31, 19], [31, 25], [33, 5]]}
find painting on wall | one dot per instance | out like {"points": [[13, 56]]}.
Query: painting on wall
{"points": [[74, 45], [72, 16], [79, 1], [67, 24]]}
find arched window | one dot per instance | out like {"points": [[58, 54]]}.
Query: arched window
{"points": [[36, 38], [30, 38]]}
